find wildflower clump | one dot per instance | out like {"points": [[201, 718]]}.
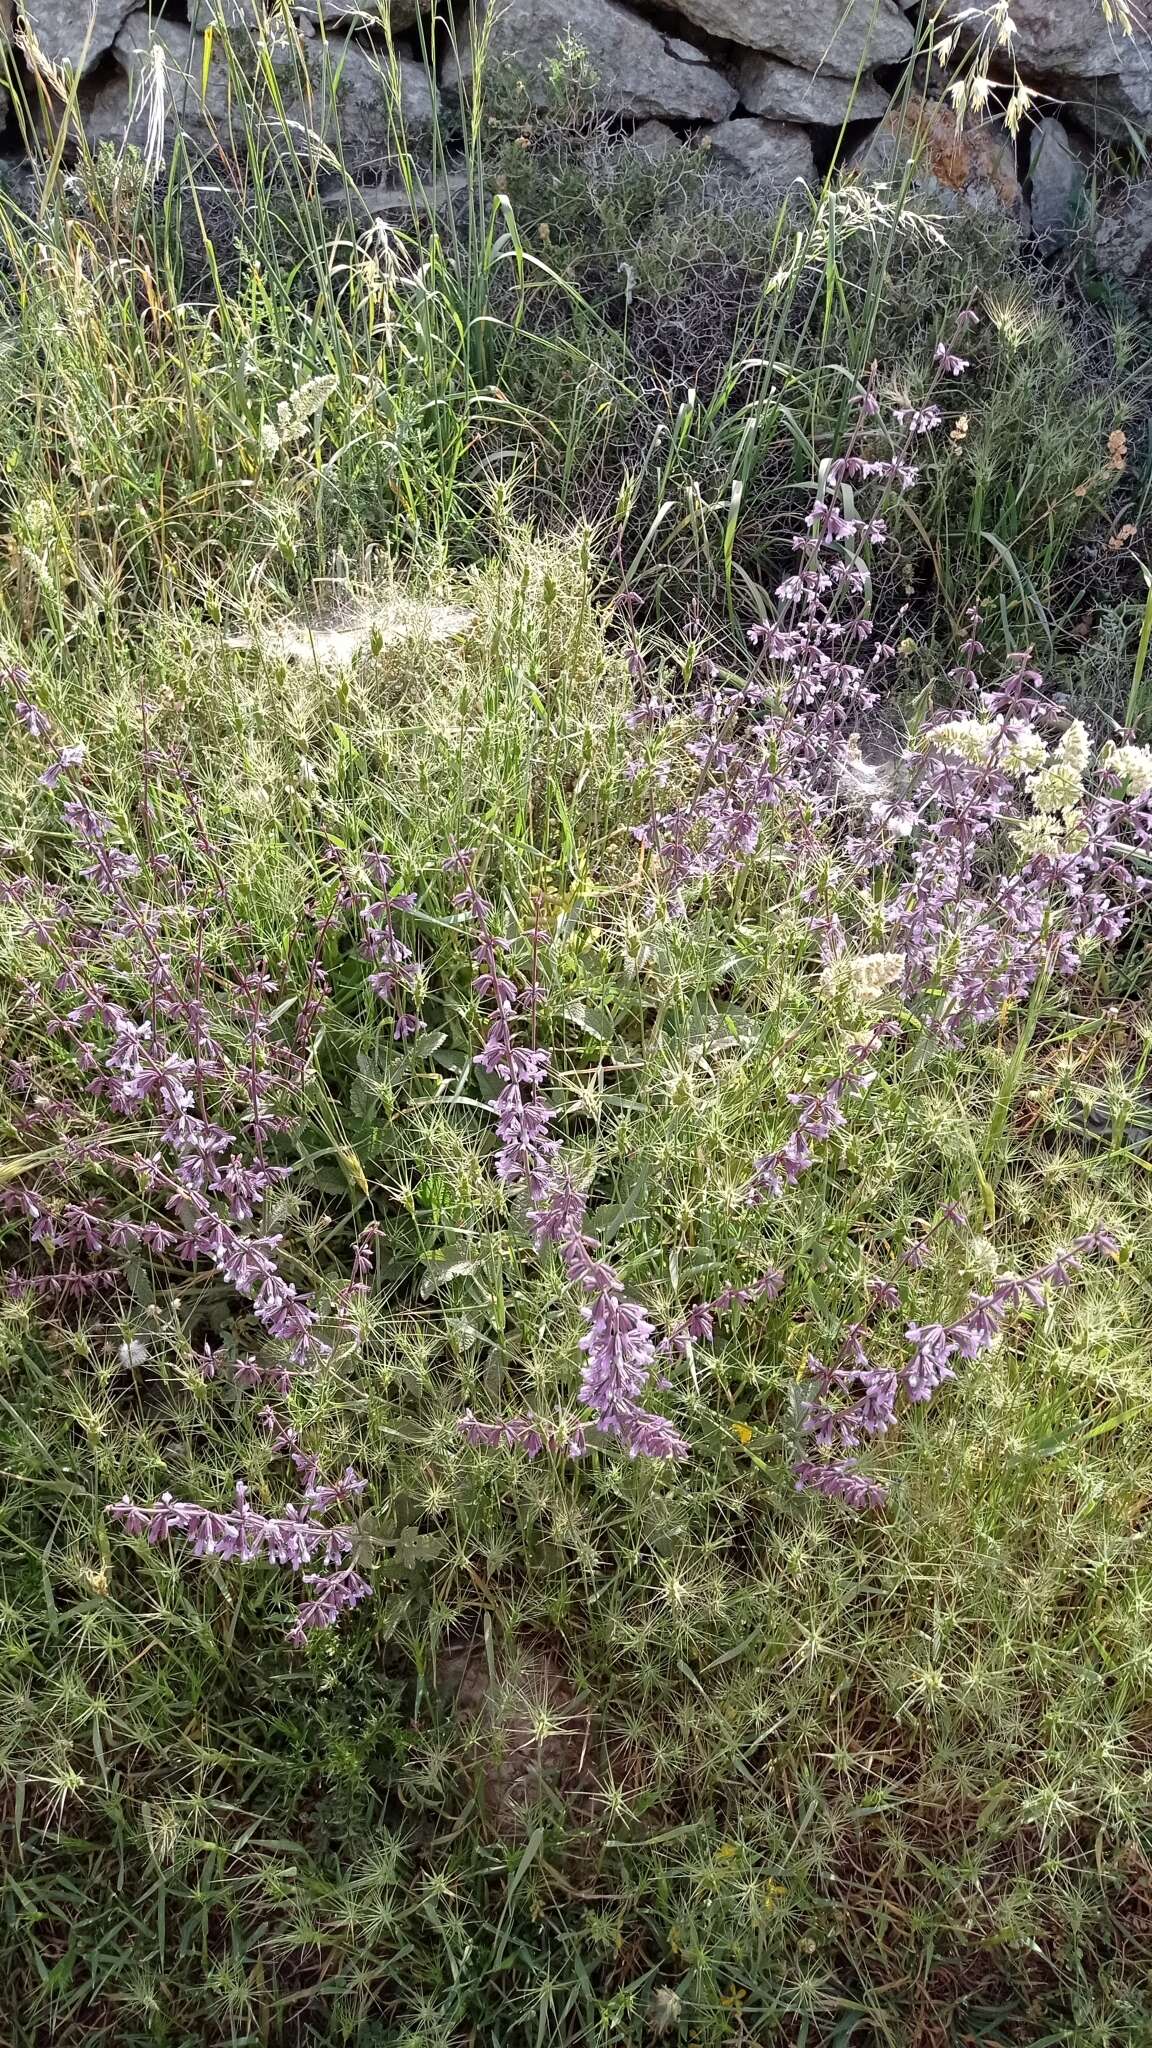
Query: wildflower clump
{"points": [[573, 1344], [925, 895]]}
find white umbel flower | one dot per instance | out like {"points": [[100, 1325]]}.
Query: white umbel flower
{"points": [[1059, 785], [1131, 765], [863, 978], [1024, 752], [972, 738]]}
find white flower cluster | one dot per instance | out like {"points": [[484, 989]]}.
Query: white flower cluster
{"points": [[972, 738], [1059, 785], [1042, 833], [1053, 782], [295, 413], [861, 979], [1023, 752], [1132, 766], [1056, 789]]}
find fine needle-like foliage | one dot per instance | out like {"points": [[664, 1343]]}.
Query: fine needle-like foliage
{"points": [[574, 1397]]}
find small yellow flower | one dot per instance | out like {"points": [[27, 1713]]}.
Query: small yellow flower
{"points": [[727, 1851], [742, 1432]]}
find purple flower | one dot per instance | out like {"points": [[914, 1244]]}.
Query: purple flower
{"points": [[334, 1594], [920, 419], [839, 1480], [825, 523], [523, 1433], [318, 1498], [618, 1342], [979, 1328], [69, 757], [884, 1294], [460, 861], [558, 1217], [619, 1348], [820, 1116], [619, 1351], [877, 1406], [395, 975], [136, 1520], [111, 867], [928, 1368], [935, 1345], [292, 1539], [86, 823], [699, 1323], [35, 722], [948, 364]]}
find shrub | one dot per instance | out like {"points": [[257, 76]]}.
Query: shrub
{"points": [[816, 1019], [481, 1007]]}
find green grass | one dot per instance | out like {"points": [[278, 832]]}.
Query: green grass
{"points": [[614, 1746]]}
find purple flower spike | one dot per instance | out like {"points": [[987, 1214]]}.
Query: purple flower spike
{"points": [[36, 723], [523, 1433], [395, 975], [69, 757], [820, 1116], [618, 1342], [928, 1368], [839, 1480], [293, 1540], [334, 1594], [699, 1323], [948, 364]]}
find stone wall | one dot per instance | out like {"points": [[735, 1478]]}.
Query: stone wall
{"points": [[765, 86]]}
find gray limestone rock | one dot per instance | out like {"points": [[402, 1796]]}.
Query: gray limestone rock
{"points": [[971, 169], [766, 151], [639, 69], [348, 88], [1068, 48], [656, 140], [433, 197], [1057, 180], [837, 35], [398, 14], [1124, 242], [784, 92], [75, 33]]}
